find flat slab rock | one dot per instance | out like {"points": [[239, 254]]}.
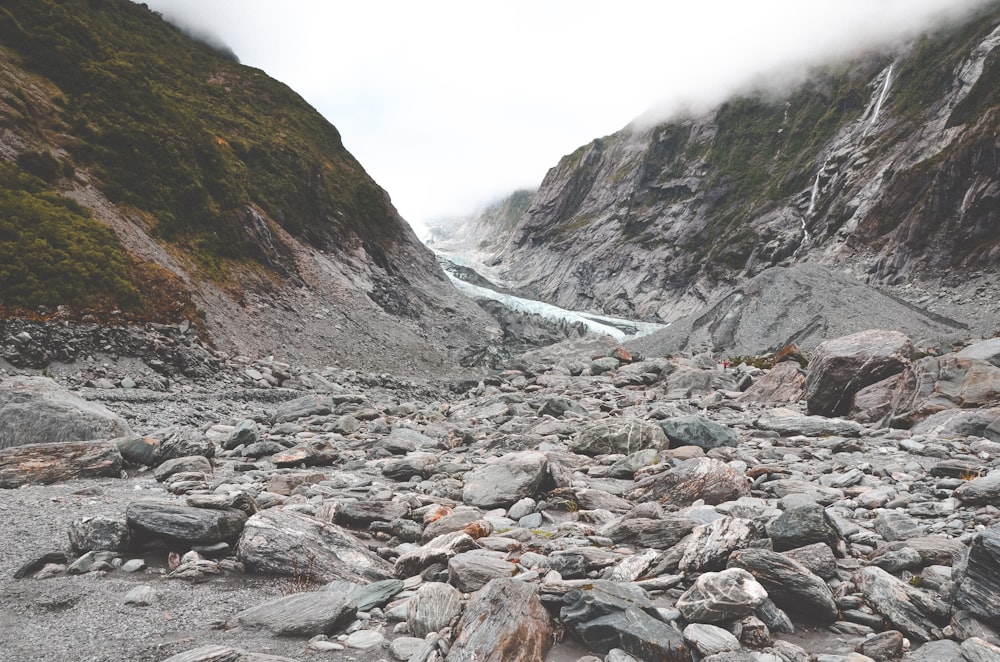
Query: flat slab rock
{"points": [[214, 653], [49, 463], [192, 526], [300, 614]]}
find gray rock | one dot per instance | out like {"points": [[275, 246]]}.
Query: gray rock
{"points": [[788, 422], [908, 609], [559, 406], [283, 542], [789, 584], [978, 650], [965, 625], [307, 405], [142, 596], [470, 571], [950, 396], [710, 639], [841, 367], [183, 524], [376, 594], [299, 615], [802, 523], [417, 463], [601, 598], [91, 562], [721, 596], [937, 651], [195, 463], [437, 551], [645, 532], [179, 441], [503, 622], [704, 478], [504, 480], [434, 607], [894, 525], [709, 545], [618, 436], [350, 512], [139, 450], [698, 431], [99, 533], [37, 410], [244, 433], [980, 491], [979, 586], [636, 632], [817, 557], [883, 646]]}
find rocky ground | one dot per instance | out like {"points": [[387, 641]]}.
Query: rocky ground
{"points": [[581, 504]]}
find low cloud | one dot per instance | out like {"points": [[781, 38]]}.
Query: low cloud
{"points": [[450, 104]]}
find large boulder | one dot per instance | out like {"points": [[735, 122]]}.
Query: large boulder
{"points": [[938, 383], [174, 523], [283, 542], [504, 480], [38, 410], [843, 366], [979, 585], [618, 436], [695, 430]]}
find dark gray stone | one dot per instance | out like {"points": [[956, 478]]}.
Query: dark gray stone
{"points": [[307, 405], [470, 571], [635, 632], [183, 524], [894, 525], [618, 436], [504, 480], [802, 523], [698, 431], [558, 406], [244, 433], [99, 533]]}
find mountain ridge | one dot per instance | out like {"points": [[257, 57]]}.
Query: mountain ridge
{"points": [[886, 166], [233, 202]]}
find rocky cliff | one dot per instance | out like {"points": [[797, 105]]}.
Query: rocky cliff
{"points": [[887, 167], [150, 176]]}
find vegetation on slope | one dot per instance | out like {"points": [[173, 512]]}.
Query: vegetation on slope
{"points": [[185, 133], [53, 252]]}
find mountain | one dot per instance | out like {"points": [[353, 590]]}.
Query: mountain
{"points": [[886, 167], [150, 176]]}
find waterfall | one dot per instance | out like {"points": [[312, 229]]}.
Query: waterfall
{"points": [[813, 196], [882, 95]]}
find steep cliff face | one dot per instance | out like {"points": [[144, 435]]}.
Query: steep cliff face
{"points": [[889, 164], [231, 201]]}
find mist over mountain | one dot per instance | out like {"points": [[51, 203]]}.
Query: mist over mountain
{"points": [[886, 166]]}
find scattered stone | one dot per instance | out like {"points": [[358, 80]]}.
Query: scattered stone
{"points": [[502, 481], [434, 607], [299, 615]]}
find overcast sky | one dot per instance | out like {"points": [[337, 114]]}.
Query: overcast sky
{"points": [[450, 105]]}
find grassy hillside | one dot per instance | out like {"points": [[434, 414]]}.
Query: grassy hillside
{"points": [[180, 131]]}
